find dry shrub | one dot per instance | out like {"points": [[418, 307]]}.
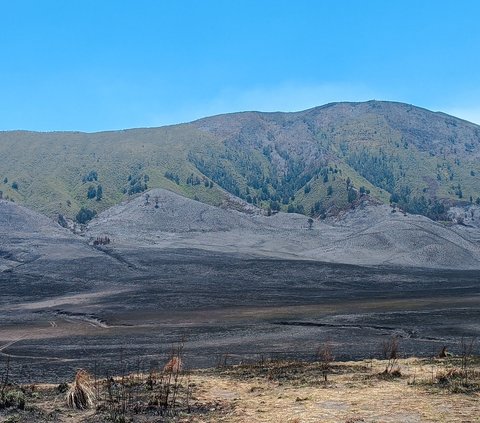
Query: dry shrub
{"points": [[444, 377], [444, 353], [166, 386], [10, 394], [325, 356], [454, 381], [390, 350], [174, 365], [13, 398], [396, 373], [81, 394]]}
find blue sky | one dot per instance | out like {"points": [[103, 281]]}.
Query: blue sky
{"points": [[96, 65]]}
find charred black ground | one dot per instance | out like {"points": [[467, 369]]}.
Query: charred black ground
{"points": [[105, 316]]}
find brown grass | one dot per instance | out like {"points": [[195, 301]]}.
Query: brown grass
{"points": [[81, 394], [290, 391], [174, 365]]}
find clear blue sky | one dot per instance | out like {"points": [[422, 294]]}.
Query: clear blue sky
{"points": [[94, 65]]}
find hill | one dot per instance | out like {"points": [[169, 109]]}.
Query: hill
{"points": [[315, 162], [370, 234], [34, 246]]}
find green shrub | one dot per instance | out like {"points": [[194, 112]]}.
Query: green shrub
{"points": [[85, 215]]}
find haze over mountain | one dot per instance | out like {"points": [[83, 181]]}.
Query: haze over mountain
{"points": [[315, 162]]}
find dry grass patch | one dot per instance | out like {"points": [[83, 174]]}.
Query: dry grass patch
{"points": [[290, 372], [452, 375], [271, 391]]}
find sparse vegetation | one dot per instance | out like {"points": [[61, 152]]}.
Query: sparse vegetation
{"points": [[136, 184], [259, 167], [310, 223], [85, 215], [390, 352], [11, 395], [325, 357], [102, 240], [352, 195], [233, 393], [90, 176], [62, 221], [92, 192], [99, 193], [173, 177]]}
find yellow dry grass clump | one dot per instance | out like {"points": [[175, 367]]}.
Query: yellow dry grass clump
{"points": [[81, 394]]}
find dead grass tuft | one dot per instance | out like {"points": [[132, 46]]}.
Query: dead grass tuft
{"points": [[174, 365], [81, 394]]}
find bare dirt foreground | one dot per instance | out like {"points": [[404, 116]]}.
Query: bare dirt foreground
{"points": [[417, 390]]}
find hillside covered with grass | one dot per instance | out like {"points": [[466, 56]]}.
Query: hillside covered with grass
{"points": [[314, 162]]}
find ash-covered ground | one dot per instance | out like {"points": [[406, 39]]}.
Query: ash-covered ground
{"points": [[228, 305], [67, 305]]}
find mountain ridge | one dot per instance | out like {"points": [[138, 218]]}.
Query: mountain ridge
{"points": [[260, 112], [315, 162]]}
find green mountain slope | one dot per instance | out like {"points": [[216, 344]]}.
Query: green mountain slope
{"points": [[314, 162], [54, 171]]}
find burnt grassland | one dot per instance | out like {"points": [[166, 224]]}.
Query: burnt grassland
{"points": [[222, 305]]}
